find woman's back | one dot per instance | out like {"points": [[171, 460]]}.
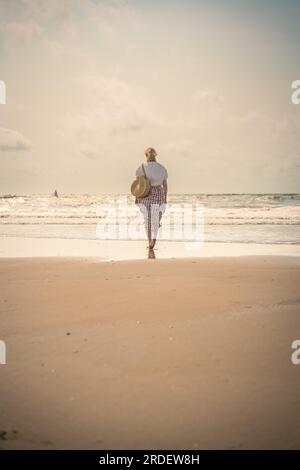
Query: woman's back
{"points": [[155, 172]]}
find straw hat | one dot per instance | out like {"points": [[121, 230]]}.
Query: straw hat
{"points": [[140, 187]]}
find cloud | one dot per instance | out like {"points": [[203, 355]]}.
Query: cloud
{"points": [[207, 95], [23, 30], [209, 103], [67, 19], [13, 141], [89, 154], [181, 148], [119, 121], [112, 108], [108, 85]]}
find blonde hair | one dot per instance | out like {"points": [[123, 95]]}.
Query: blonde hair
{"points": [[150, 153]]}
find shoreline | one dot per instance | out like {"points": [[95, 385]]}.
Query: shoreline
{"points": [[107, 250]]}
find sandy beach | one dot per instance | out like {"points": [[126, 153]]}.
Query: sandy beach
{"points": [[149, 230], [185, 353]]}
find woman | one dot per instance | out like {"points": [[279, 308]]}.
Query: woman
{"points": [[153, 205]]}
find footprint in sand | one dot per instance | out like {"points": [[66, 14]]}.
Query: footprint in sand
{"points": [[9, 435]]}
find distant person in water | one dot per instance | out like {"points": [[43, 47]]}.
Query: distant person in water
{"points": [[153, 206]]}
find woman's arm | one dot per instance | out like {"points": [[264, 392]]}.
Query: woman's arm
{"points": [[165, 185], [137, 173]]}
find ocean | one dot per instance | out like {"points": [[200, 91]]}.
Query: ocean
{"points": [[225, 218]]}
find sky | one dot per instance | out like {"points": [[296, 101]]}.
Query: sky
{"points": [[90, 84]]}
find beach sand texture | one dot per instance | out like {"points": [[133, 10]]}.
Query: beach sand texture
{"points": [[170, 354]]}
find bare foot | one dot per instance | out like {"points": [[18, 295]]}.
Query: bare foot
{"points": [[151, 254]]}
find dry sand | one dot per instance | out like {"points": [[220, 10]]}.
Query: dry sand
{"points": [[150, 354]]}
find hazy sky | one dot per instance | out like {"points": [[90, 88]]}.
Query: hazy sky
{"points": [[92, 83]]}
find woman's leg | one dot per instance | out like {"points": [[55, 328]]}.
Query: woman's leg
{"points": [[147, 219], [157, 209], [160, 216], [149, 234], [155, 222], [152, 243], [148, 226]]}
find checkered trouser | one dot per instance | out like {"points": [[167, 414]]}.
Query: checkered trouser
{"points": [[151, 206]]}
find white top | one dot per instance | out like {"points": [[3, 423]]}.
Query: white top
{"points": [[155, 172]]}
